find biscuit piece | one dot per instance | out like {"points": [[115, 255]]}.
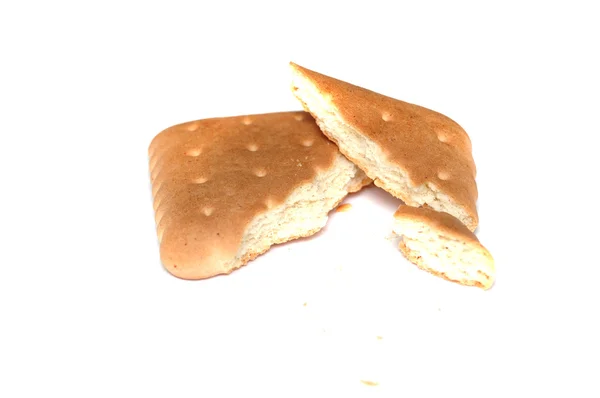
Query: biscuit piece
{"points": [[416, 154], [226, 189], [439, 243]]}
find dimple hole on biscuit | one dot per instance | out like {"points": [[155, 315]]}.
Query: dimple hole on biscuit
{"points": [[192, 127], [308, 142], [260, 172], [270, 203], [208, 210], [443, 175], [252, 147], [386, 116], [246, 121], [442, 136], [299, 117], [193, 152], [200, 180]]}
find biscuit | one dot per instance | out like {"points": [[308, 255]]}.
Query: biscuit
{"points": [[226, 189], [442, 245], [416, 154]]}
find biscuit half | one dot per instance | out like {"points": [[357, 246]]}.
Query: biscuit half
{"points": [[439, 243], [227, 189], [416, 154]]}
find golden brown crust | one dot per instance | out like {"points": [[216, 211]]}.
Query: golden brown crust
{"points": [[429, 146], [211, 177]]}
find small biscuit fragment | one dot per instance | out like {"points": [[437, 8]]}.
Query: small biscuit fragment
{"points": [[439, 243], [226, 189], [416, 154]]}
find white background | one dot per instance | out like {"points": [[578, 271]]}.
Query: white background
{"points": [[86, 308]]}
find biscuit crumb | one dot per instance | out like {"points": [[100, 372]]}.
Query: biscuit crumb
{"points": [[369, 383], [343, 208], [391, 236]]}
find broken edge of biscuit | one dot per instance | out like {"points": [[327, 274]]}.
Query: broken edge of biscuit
{"points": [[418, 155], [439, 243]]}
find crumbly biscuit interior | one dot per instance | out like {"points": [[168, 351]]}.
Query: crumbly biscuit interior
{"points": [[450, 257], [303, 213]]}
